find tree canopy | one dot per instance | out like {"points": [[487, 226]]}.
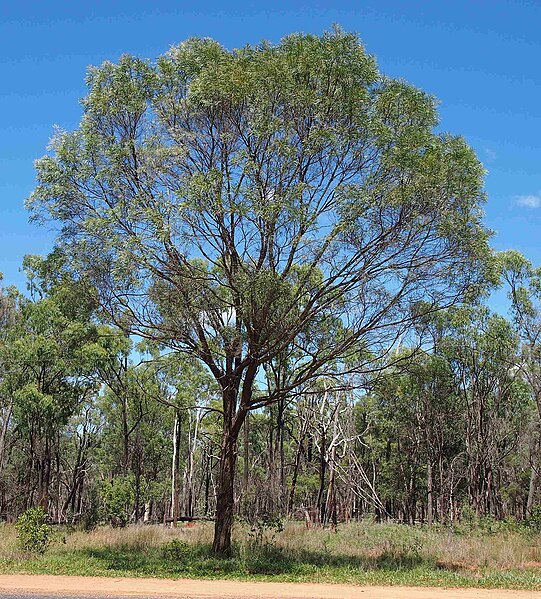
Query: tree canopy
{"points": [[281, 200]]}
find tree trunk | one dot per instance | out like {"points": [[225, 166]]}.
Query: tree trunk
{"points": [[281, 433], [148, 512], [44, 482], [330, 507], [322, 472], [207, 483], [125, 435], [190, 468], [225, 499], [174, 469], [531, 490], [430, 495], [137, 512], [246, 454], [295, 475], [233, 421], [3, 433]]}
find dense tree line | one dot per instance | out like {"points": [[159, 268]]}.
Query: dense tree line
{"points": [[265, 300], [96, 427]]}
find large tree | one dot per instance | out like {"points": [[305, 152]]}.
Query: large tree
{"points": [[481, 349], [47, 368], [239, 205], [523, 283]]}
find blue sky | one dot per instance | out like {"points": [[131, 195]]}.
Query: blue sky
{"points": [[480, 58]]}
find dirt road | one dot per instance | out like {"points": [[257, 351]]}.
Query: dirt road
{"points": [[78, 586]]}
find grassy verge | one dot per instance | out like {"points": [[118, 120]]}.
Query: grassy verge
{"points": [[356, 554]]}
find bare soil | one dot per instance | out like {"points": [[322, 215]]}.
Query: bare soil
{"points": [[144, 587]]}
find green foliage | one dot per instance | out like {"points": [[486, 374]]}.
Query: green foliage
{"points": [[468, 518], [117, 496], [33, 532], [263, 530], [358, 554], [297, 229], [533, 521], [176, 550], [279, 214], [308, 132]]}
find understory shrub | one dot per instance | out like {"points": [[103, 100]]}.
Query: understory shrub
{"points": [[117, 497], [176, 550], [33, 532]]}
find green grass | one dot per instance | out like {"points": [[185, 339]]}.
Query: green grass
{"points": [[357, 554]]}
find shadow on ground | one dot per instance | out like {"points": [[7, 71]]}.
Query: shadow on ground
{"points": [[268, 561]]}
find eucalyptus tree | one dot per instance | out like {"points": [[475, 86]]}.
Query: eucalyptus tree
{"points": [[9, 315], [523, 282], [482, 350], [183, 387], [418, 433], [222, 202], [132, 421], [48, 368]]}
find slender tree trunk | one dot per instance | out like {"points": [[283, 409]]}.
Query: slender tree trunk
{"points": [[322, 473], [190, 487], [207, 483], [3, 434], [281, 433], [44, 475], [59, 511], [531, 489], [330, 507], [125, 434], [44, 482], [246, 453], [148, 512], [174, 469], [77, 474], [295, 475], [430, 494], [137, 513]]}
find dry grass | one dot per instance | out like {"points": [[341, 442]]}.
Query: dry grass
{"points": [[8, 546], [358, 552], [137, 538], [364, 541], [471, 549]]}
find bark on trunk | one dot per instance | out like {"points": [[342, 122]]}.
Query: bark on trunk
{"points": [[322, 473], [430, 495], [44, 482], [246, 454], [532, 487], [190, 469], [233, 421], [225, 499], [281, 432], [3, 434], [296, 467], [174, 470]]}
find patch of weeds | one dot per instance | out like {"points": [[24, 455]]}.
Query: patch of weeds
{"points": [[357, 554], [269, 560], [263, 530], [176, 550]]}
